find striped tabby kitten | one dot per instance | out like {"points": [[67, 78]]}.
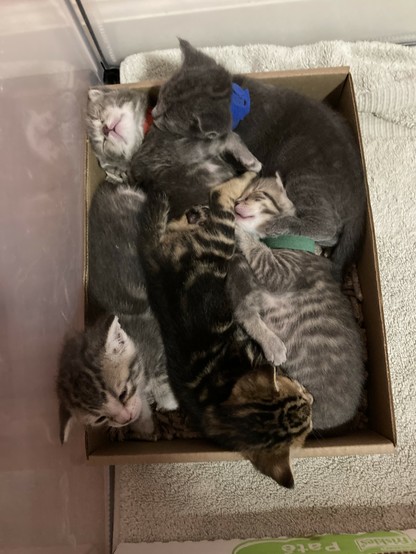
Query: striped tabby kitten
{"points": [[107, 378], [289, 302], [109, 373], [218, 374]]}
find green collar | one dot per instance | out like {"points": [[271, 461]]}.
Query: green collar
{"points": [[290, 242]]}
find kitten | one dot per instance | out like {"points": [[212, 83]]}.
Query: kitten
{"points": [[188, 155], [309, 144], [116, 281], [289, 302], [107, 378], [117, 121], [116, 285], [219, 375], [186, 168]]}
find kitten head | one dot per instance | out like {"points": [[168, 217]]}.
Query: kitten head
{"points": [[99, 378], [195, 101], [115, 124], [265, 415], [262, 202]]}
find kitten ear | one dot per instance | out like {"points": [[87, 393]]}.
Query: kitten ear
{"points": [[65, 423], [157, 110], [279, 182], [275, 464], [95, 94], [189, 53], [116, 338], [192, 56]]}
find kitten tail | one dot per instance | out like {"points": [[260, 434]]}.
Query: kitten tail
{"points": [[348, 248], [65, 423]]}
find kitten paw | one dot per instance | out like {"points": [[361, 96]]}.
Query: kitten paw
{"points": [[251, 163], [197, 214], [118, 434], [145, 426], [116, 176], [167, 404], [255, 165], [274, 350]]}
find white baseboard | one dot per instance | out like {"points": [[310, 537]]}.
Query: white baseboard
{"points": [[126, 27]]}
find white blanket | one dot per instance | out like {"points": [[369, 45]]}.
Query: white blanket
{"points": [[350, 494]]}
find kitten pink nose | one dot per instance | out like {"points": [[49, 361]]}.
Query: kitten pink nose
{"points": [[123, 417], [106, 130]]}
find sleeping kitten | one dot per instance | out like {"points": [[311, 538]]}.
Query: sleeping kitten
{"points": [[186, 156], [309, 144], [107, 378], [115, 286], [116, 283], [116, 125], [219, 375], [288, 301], [185, 169]]}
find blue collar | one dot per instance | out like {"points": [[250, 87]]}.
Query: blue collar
{"points": [[240, 104]]}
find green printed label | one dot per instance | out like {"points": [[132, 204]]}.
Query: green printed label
{"points": [[369, 543]]}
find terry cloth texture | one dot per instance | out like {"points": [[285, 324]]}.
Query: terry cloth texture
{"points": [[228, 500]]}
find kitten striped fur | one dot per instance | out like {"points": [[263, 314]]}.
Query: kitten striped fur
{"points": [[218, 374]]}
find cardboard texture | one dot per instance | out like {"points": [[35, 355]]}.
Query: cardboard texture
{"points": [[379, 542], [334, 86]]}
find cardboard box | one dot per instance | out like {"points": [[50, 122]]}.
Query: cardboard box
{"points": [[379, 542], [333, 85]]}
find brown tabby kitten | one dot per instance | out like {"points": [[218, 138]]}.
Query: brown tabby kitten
{"points": [[217, 372]]}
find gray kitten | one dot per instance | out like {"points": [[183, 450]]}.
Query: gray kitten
{"points": [[186, 168], [310, 145], [116, 126], [289, 302], [115, 280], [187, 155], [117, 365]]}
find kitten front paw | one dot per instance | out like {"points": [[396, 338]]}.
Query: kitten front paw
{"points": [[118, 434], [116, 176], [144, 425], [168, 404], [274, 350], [253, 165], [197, 215]]}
